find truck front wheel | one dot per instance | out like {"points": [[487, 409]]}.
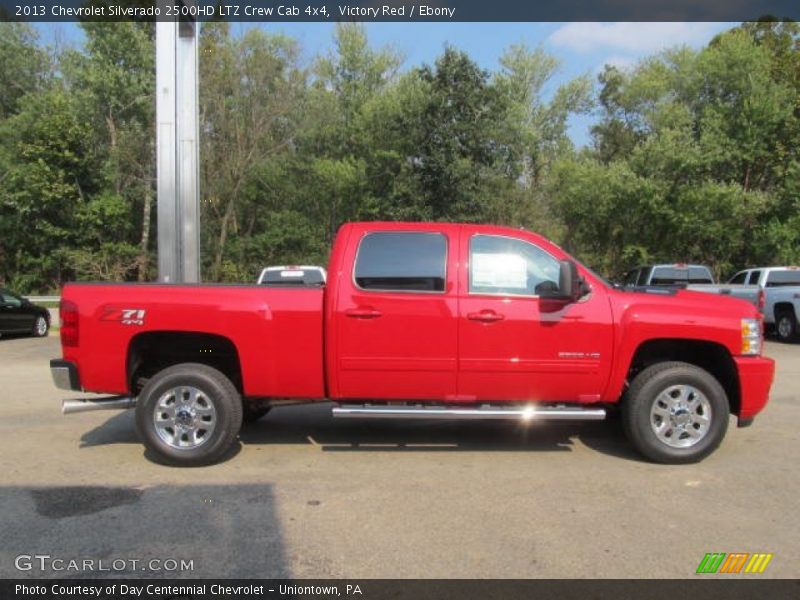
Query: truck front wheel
{"points": [[675, 413], [189, 414]]}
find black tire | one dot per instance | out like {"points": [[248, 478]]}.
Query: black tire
{"points": [[41, 326], [251, 414], [785, 325], [643, 394], [213, 388]]}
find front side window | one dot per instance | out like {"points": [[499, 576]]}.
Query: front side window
{"points": [[402, 261], [503, 265], [739, 278]]}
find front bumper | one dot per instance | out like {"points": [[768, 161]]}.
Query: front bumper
{"points": [[65, 375], [755, 380]]}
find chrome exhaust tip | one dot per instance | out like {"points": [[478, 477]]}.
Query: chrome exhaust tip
{"points": [[79, 405]]}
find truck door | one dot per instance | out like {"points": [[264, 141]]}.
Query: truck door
{"points": [[396, 314], [516, 346]]}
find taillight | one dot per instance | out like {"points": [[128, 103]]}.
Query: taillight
{"points": [[68, 313]]}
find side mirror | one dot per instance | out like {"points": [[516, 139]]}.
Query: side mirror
{"points": [[570, 285]]}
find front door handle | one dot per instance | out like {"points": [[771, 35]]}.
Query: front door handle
{"points": [[363, 312], [485, 316]]}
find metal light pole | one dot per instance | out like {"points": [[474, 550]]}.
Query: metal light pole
{"points": [[177, 149]]}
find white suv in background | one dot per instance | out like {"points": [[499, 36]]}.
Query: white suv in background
{"points": [[781, 287], [293, 276]]}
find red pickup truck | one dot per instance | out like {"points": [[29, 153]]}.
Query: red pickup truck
{"points": [[418, 320]]}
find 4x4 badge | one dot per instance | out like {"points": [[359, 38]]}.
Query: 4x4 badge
{"points": [[126, 316]]}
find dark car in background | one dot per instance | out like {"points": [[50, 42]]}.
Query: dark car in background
{"points": [[20, 315]]}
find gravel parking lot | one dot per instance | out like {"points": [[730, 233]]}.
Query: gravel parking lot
{"points": [[306, 496]]}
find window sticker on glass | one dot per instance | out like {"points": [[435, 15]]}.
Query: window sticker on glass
{"points": [[499, 271], [292, 273]]}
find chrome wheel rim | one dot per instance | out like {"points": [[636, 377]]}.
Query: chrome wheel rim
{"points": [[184, 417], [41, 326], [784, 327], [680, 416]]}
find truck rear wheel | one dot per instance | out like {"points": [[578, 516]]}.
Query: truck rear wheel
{"points": [[675, 413], [189, 414], [786, 325]]}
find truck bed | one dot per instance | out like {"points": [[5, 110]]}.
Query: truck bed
{"points": [[748, 293], [276, 333]]}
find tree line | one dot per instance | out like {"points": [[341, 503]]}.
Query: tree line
{"points": [[694, 155]]}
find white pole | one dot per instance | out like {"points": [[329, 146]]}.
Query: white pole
{"points": [[177, 151]]}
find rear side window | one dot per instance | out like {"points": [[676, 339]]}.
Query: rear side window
{"points": [[754, 277], [644, 275], [782, 278], [402, 261]]}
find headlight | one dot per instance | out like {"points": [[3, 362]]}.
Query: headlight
{"points": [[751, 336]]}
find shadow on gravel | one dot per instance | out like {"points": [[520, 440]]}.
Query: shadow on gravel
{"points": [[225, 531], [61, 502], [313, 424], [120, 429]]}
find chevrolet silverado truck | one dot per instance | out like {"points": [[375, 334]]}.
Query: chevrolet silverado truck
{"points": [[418, 321], [697, 278], [781, 289]]}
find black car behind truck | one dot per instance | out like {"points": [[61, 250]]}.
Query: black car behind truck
{"points": [[20, 315]]}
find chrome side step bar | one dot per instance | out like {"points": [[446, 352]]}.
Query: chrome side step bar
{"points": [[69, 407], [526, 413]]}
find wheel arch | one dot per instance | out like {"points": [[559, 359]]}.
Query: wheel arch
{"points": [[709, 356], [153, 351], [781, 307]]}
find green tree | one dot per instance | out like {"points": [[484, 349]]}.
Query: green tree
{"points": [[52, 177], [458, 149], [114, 80], [248, 116], [23, 65], [695, 158]]}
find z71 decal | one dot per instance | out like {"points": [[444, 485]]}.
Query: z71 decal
{"points": [[126, 316]]}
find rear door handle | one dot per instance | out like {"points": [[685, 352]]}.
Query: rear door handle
{"points": [[485, 316], [363, 312]]}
